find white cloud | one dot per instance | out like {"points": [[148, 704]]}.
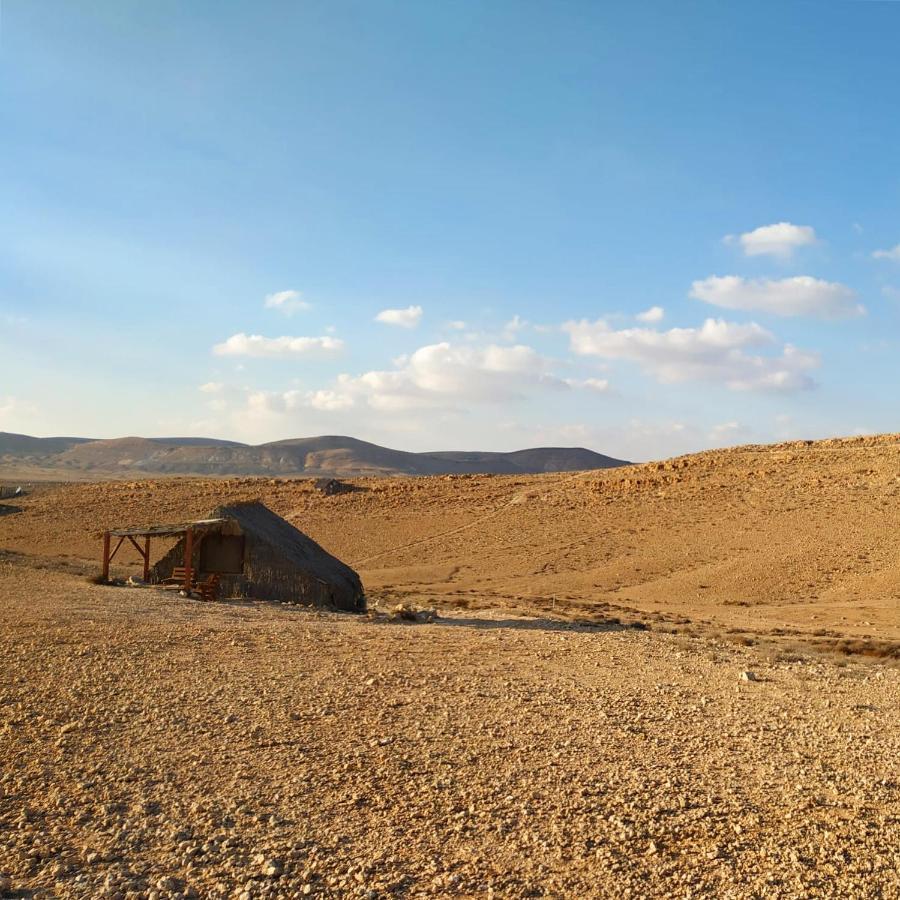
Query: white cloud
{"points": [[280, 347], [717, 351], [457, 325], [892, 254], [405, 318], [438, 376], [654, 314], [799, 296], [512, 328], [212, 387], [287, 302], [780, 239], [329, 401]]}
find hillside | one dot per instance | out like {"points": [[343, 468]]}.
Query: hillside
{"points": [[329, 455], [789, 539]]}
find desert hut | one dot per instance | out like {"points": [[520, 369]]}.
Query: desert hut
{"points": [[259, 555]]}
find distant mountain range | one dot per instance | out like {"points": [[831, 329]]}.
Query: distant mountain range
{"points": [[315, 456]]}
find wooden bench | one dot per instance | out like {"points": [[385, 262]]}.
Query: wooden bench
{"points": [[177, 577], [209, 589]]}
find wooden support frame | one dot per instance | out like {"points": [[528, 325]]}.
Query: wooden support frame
{"points": [[109, 556], [188, 559], [193, 536], [106, 556]]}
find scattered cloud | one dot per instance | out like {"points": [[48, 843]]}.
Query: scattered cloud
{"points": [[329, 401], [436, 376], [780, 239], [716, 351], [220, 396], [654, 314], [798, 296], [892, 254], [280, 347], [512, 328], [446, 375], [287, 302], [405, 318], [457, 325]]}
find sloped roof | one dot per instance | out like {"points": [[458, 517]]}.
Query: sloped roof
{"points": [[291, 544]]}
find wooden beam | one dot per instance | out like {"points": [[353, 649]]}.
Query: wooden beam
{"points": [[188, 558], [136, 545], [147, 558], [116, 549], [106, 556]]}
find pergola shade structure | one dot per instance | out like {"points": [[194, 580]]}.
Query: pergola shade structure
{"points": [[188, 530]]}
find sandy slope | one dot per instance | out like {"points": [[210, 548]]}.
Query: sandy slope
{"points": [[778, 540]]}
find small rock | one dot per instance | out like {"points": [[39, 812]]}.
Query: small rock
{"points": [[273, 868], [747, 675]]}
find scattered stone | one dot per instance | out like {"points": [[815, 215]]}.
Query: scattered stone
{"points": [[273, 868]]}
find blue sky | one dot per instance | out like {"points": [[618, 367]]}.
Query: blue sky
{"points": [[644, 228]]}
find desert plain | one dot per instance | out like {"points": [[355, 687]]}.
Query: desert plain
{"points": [[674, 679]]}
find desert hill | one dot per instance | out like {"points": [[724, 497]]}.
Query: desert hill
{"points": [[787, 539], [328, 455]]}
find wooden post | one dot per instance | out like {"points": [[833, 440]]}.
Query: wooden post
{"points": [[188, 558], [147, 558], [106, 556]]}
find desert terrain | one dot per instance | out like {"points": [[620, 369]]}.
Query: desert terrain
{"points": [[675, 679]]}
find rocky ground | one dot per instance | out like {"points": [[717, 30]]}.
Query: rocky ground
{"points": [[152, 746]]}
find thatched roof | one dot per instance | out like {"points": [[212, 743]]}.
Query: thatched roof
{"points": [[289, 546]]}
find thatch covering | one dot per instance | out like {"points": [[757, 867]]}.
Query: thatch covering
{"points": [[259, 555]]}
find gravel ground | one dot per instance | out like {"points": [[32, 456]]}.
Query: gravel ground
{"points": [[152, 746]]}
